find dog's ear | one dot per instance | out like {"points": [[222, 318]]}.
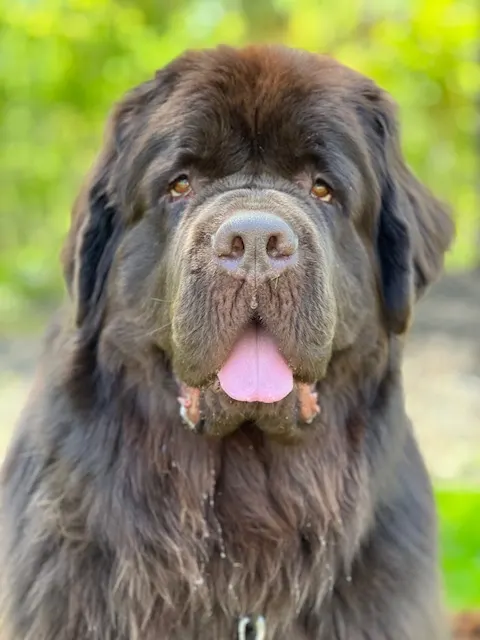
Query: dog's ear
{"points": [[88, 250], [97, 217], [414, 228]]}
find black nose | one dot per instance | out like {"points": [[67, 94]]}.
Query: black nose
{"points": [[255, 242]]}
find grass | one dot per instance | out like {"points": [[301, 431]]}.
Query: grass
{"points": [[459, 512]]}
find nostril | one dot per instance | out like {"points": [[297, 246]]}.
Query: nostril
{"points": [[272, 247], [280, 246], [238, 247], [228, 244]]}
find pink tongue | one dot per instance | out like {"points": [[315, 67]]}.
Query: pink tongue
{"points": [[255, 370]]}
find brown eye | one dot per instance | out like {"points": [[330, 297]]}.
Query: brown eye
{"points": [[321, 191], [180, 187]]}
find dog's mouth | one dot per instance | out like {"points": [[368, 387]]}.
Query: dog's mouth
{"points": [[255, 376]]}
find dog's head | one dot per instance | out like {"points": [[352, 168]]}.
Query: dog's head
{"points": [[251, 216]]}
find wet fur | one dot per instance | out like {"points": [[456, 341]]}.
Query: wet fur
{"points": [[119, 523]]}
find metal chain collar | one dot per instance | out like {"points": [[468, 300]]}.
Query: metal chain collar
{"points": [[252, 628]]}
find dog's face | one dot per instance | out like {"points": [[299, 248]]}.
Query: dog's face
{"points": [[251, 216]]}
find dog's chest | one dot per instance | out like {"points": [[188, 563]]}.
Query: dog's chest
{"points": [[259, 579]]}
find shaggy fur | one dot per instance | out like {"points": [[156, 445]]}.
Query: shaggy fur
{"points": [[121, 524]]}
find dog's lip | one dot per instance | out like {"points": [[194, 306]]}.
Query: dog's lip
{"points": [[189, 399], [212, 384]]}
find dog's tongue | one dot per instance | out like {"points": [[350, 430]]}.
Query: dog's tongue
{"points": [[255, 370]]}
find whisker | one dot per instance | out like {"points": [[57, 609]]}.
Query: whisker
{"points": [[157, 330]]}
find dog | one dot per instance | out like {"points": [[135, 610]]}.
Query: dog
{"points": [[216, 444]]}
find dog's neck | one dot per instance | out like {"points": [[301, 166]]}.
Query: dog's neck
{"points": [[244, 499]]}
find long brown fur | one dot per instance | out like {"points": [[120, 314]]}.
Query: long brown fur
{"points": [[121, 524]]}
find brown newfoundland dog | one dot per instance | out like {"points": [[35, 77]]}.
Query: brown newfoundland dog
{"points": [[216, 446]]}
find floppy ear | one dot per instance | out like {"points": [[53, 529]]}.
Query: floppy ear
{"points": [[97, 220], [414, 228]]}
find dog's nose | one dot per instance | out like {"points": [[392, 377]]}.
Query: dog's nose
{"points": [[255, 242]]}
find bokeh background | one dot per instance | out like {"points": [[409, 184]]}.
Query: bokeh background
{"points": [[63, 63]]}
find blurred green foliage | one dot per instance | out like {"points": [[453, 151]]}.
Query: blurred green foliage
{"points": [[460, 544], [63, 63]]}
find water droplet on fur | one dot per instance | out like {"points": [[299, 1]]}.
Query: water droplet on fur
{"points": [[221, 541], [330, 576], [348, 578], [218, 526], [296, 594], [233, 594], [174, 464]]}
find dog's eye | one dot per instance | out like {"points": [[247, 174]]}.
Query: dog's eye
{"points": [[180, 187], [321, 191]]}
